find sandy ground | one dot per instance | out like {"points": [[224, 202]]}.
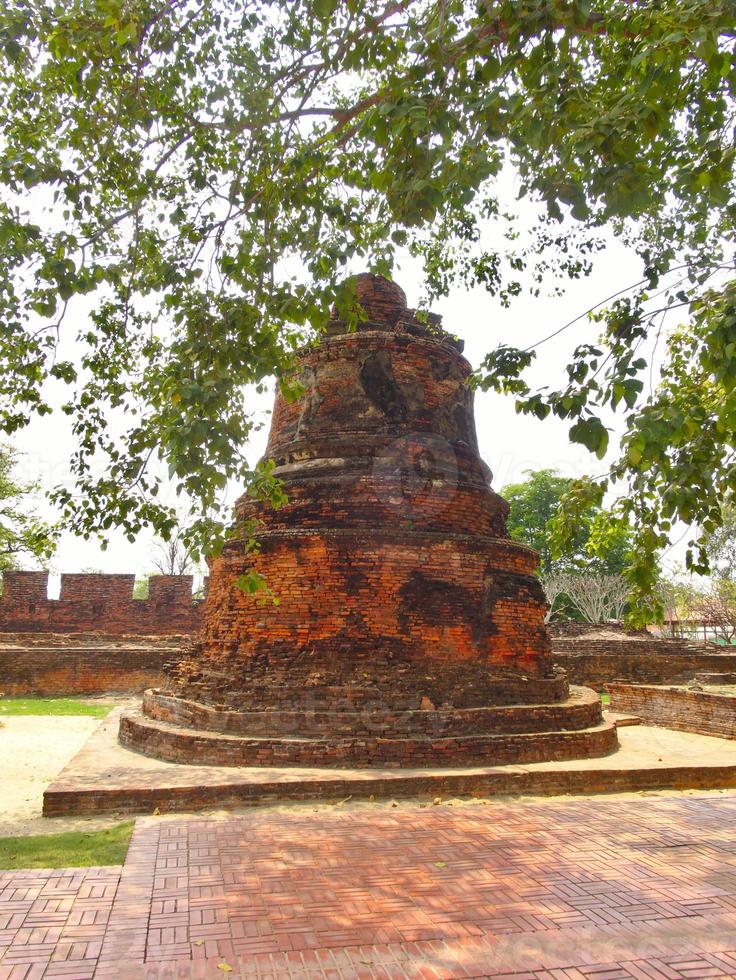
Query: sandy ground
{"points": [[33, 751]]}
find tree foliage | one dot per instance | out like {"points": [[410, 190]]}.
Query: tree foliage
{"points": [[534, 506], [200, 172], [23, 534]]}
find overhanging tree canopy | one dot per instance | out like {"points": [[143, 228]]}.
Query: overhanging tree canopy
{"points": [[202, 170]]}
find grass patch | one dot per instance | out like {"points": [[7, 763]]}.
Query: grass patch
{"points": [[74, 849], [605, 698], [52, 706]]}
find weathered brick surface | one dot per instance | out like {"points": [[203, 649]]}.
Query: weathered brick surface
{"points": [[703, 712], [397, 583], [97, 603], [596, 660], [390, 561], [52, 664], [407, 616]]}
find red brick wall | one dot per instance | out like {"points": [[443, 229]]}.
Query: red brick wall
{"points": [[669, 707], [596, 660], [56, 665], [97, 603], [597, 669]]}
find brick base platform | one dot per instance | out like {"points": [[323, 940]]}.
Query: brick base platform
{"points": [[566, 890], [105, 777]]}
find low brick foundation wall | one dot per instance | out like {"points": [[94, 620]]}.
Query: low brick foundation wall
{"points": [[702, 712], [595, 654], [51, 665], [647, 666]]}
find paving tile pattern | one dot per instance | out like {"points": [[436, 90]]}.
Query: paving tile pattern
{"points": [[599, 889], [52, 923]]}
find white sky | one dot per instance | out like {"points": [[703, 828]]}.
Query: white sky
{"points": [[509, 443]]}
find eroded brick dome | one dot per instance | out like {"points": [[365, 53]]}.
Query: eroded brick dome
{"points": [[383, 301]]}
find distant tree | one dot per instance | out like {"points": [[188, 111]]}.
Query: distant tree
{"points": [[720, 544], [717, 610], [23, 534], [534, 505], [595, 596], [712, 605], [172, 557], [554, 584]]}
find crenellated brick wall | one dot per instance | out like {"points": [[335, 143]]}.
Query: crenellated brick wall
{"points": [[99, 603]]}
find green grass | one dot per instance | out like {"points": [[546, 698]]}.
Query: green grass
{"points": [[52, 706], [71, 850], [605, 698]]}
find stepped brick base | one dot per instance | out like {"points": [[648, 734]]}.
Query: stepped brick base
{"points": [[105, 777], [176, 730], [581, 709]]}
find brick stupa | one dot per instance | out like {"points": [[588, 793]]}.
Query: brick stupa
{"points": [[409, 628]]}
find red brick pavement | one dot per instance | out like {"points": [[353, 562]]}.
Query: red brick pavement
{"points": [[52, 923], [599, 889]]}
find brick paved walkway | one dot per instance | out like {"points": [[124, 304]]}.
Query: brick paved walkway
{"points": [[52, 923], [598, 888]]}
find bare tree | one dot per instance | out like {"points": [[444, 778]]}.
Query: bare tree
{"points": [[171, 557], [597, 597], [554, 585]]}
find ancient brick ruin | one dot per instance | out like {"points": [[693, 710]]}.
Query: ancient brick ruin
{"points": [[595, 654], [95, 638], [706, 709], [410, 628], [62, 664], [93, 602]]}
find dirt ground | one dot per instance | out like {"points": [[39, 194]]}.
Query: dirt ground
{"points": [[33, 751]]}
